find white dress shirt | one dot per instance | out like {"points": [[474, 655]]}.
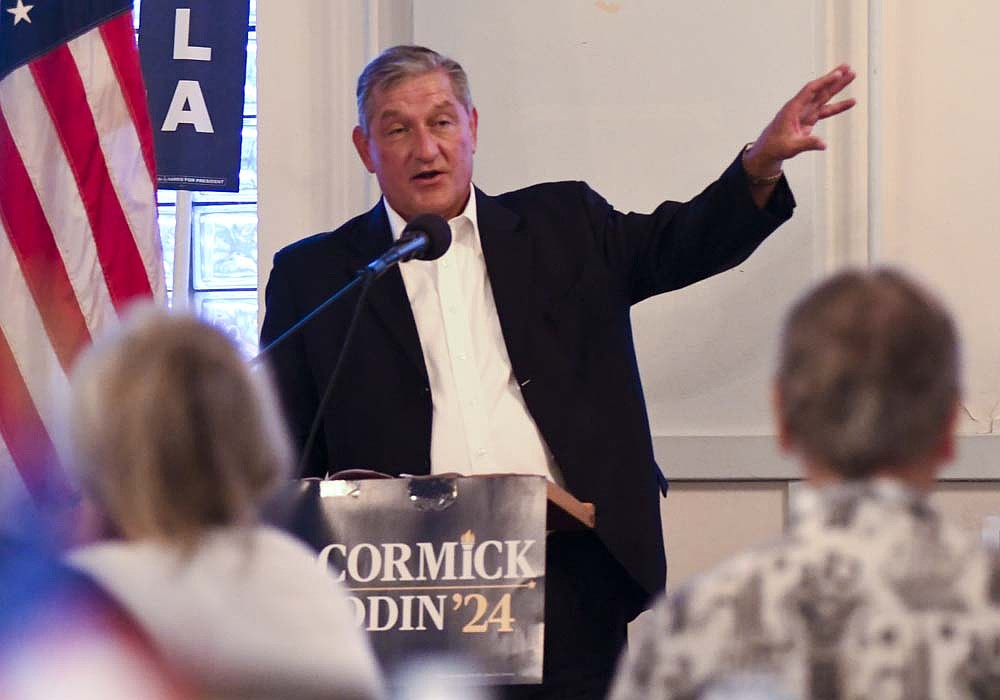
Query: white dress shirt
{"points": [[480, 422]]}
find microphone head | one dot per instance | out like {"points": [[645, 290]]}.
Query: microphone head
{"points": [[437, 231]]}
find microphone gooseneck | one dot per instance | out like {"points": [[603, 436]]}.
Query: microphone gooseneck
{"points": [[426, 237]]}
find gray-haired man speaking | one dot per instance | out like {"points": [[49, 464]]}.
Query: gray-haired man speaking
{"points": [[513, 352]]}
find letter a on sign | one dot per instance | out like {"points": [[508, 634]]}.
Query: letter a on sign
{"points": [[188, 93]]}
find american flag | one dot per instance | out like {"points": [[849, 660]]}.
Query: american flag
{"points": [[78, 231]]}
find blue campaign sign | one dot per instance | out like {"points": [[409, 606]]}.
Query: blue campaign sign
{"points": [[194, 58]]}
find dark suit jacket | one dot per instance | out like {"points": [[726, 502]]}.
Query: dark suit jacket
{"points": [[565, 268]]}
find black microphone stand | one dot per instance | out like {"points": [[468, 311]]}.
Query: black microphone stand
{"points": [[359, 277], [364, 277], [426, 237]]}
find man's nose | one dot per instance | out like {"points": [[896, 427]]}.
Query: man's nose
{"points": [[427, 145]]}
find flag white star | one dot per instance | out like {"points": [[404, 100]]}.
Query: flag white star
{"points": [[21, 12]]}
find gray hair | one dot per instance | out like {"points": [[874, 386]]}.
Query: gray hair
{"points": [[171, 432], [400, 62], [868, 373]]}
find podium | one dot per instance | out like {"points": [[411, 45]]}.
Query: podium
{"points": [[442, 565]]}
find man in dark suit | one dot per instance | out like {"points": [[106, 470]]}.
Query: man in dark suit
{"points": [[514, 352]]}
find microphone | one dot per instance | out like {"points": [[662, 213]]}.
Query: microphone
{"points": [[426, 237]]}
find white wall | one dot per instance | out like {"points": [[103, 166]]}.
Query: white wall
{"points": [[941, 149], [648, 99], [649, 102]]}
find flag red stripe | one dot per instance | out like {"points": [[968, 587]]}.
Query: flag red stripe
{"points": [[62, 90], [36, 251], [24, 433], [119, 39]]}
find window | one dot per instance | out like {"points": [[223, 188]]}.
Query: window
{"points": [[222, 253]]}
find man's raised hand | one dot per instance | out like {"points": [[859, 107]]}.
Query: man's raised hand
{"points": [[791, 130]]}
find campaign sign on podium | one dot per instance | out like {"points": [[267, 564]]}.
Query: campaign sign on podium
{"points": [[444, 565]]}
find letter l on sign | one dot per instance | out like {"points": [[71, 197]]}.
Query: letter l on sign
{"points": [[182, 33]]}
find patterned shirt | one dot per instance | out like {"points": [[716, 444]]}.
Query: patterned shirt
{"points": [[869, 596]]}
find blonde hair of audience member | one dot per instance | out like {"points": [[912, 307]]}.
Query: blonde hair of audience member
{"points": [[173, 434], [868, 380]]}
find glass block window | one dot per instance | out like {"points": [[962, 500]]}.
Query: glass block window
{"points": [[223, 233], [224, 254], [234, 312], [168, 223]]}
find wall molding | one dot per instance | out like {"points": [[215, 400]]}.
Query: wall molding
{"points": [[757, 458]]}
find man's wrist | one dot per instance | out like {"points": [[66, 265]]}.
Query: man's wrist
{"points": [[760, 173]]}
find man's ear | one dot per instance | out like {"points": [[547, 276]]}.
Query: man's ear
{"points": [[474, 128], [361, 144], [781, 426]]}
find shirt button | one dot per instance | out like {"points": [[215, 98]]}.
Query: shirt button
{"points": [[461, 355], [445, 264], [481, 451]]}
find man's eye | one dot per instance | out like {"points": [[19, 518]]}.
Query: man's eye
{"points": [[396, 130], [444, 122]]}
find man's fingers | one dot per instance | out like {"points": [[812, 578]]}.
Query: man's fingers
{"points": [[836, 108], [807, 93], [811, 143], [821, 89], [831, 89], [810, 89], [790, 130]]}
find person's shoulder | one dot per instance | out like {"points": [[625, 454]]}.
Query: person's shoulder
{"points": [[111, 559], [85, 555], [682, 643], [749, 573], [325, 242], [963, 555], [553, 205], [278, 542], [734, 573], [545, 192], [289, 557]]}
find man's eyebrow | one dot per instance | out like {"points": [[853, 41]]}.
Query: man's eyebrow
{"points": [[445, 104], [396, 114], [389, 114]]}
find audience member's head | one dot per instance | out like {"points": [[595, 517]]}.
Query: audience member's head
{"points": [[178, 444], [171, 432], [868, 377]]}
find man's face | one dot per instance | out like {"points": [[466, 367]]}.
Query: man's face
{"points": [[420, 144]]}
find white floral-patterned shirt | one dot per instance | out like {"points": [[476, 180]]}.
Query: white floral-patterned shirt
{"points": [[869, 596]]}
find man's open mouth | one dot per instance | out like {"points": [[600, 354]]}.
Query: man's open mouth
{"points": [[427, 175]]}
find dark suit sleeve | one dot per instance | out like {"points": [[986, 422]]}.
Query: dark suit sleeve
{"points": [[680, 243], [289, 364]]}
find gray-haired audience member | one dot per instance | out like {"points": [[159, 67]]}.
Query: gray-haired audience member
{"points": [[869, 594], [176, 445]]}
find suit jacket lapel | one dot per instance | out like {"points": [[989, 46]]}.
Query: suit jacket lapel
{"points": [[387, 295], [508, 250]]}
